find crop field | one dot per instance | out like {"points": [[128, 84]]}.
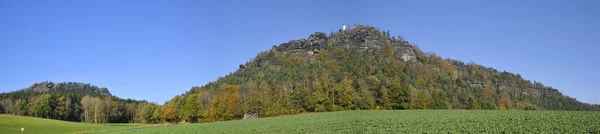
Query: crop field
{"points": [[10, 124], [410, 121]]}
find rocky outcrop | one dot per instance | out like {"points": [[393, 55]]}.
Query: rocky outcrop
{"points": [[42, 86], [478, 83], [364, 37], [530, 91], [513, 89], [406, 50], [71, 87], [250, 115], [314, 43]]}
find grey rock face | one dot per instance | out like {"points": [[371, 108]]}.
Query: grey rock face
{"points": [[529, 91], [316, 41], [364, 38], [260, 63], [250, 115], [513, 89], [477, 83], [406, 50], [42, 86]]}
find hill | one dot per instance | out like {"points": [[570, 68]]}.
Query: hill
{"points": [[401, 121], [10, 124], [71, 101], [359, 68]]}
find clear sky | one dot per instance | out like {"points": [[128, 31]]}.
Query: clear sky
{"points": [[154, 50]]}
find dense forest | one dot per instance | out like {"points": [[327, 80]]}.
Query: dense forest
{"points": [[71, 101], [355, 69]]}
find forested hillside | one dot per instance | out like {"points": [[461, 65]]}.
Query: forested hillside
{"points": [[71, 101], [355, 69]]}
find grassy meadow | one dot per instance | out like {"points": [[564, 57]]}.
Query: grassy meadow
{"points": [[10, 124], [409, 121], [399, 121]]}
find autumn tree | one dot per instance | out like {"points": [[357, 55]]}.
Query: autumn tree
{"points": [[346, 95], [440, 99], [474, 104], [301, 98], [422, 100], [400, 96], [505, 102], [191, 108], [169, 115], [280, 101], [366, 100], [321, 93], [157, 115], [44, 105], [148, 112]]}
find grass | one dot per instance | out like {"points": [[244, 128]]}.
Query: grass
{"points": [[410, 121], [10, 124]]}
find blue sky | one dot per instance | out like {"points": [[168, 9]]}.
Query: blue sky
{"points": [[154, 50]]}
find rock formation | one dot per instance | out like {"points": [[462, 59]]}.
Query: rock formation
{"points": [[365, 38]]}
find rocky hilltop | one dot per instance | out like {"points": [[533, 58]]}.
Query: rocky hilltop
{"points": [[365, 38], [371, 38], [65, 88], [361, 68]]}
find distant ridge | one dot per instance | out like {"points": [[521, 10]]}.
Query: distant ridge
{"points": [[71, 101]]}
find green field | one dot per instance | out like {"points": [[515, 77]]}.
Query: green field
{"points": [[410, 121], [427, 121], [10, 124]]}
